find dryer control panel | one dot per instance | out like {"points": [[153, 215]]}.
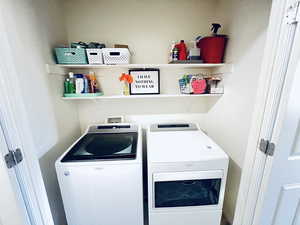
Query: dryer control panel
{"points": [[173, 127]]}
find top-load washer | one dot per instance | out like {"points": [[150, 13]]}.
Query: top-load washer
{"points": [[186, 176], [100, 176]]}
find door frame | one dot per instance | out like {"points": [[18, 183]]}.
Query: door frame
{"points": [[271, 82], [15, 117]]}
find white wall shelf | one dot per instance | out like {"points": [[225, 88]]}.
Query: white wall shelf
{"points": [[90, 66], [142, 96], [62, 69]]}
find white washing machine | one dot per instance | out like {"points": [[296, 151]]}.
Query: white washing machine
{"points": [[100, 176], [186, 176]]}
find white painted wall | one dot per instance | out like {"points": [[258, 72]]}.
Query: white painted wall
{"points": [[229, 120], [35, 27], [148, 27]]}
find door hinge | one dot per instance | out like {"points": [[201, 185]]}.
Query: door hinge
{"points": [[267, 147], [13, 158], [292, 14]]}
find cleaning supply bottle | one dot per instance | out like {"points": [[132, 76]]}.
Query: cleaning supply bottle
{"points": [[182, 50], [66, 86], [214, 28], [79, 83], [194, 52], [93, 83], [85, 84], [175, 54], [71, 83], [171, 54]]}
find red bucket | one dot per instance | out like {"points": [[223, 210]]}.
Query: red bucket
{"points": [[212, 48]]}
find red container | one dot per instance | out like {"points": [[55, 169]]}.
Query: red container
{"points": [[212, 48], [182, 50]]}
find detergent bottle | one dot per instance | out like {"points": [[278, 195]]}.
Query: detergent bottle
{"points": [[212, 48], [182, 50]]}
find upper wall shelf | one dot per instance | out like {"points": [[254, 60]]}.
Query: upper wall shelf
{"points": [[61, 69], [90, 66]]}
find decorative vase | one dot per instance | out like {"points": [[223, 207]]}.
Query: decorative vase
{"points": [[126, 89]]}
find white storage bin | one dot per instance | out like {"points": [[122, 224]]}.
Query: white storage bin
{"points": [[94, 55], [114, 56]]}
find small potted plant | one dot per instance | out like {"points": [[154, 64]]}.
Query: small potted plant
{"points": [[126, 79]]}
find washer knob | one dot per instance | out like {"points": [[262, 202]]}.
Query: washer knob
{"points": [[66, 173]]}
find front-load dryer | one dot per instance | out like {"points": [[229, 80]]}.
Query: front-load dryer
{"points": [[100, 176], [186, 176]]}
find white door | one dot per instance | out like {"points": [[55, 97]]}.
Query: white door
{"points": [[12, 208], [279, 199]]}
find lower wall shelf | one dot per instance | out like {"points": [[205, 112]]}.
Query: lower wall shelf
{"points": [[142, 96]]}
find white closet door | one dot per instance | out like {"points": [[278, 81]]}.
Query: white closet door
{"points": [[279, 202], [282, 200], [12, 209]]}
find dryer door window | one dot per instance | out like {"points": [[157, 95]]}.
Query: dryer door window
{"points": [[186, 192]]}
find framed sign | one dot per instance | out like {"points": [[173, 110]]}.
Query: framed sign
{"points": [[145, 82]]}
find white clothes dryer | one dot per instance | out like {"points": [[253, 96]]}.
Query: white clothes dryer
{"points": [[186, 176]]}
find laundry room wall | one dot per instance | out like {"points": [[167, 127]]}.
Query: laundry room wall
{"points": [[34, 28], [140, 25], [148, 27], [228, 121]]}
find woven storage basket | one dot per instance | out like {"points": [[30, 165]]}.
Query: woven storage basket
{"points": [[71, 55], [94, 55], [115, 56]]}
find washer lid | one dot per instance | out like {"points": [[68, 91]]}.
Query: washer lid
{"points": [[105, 146]]}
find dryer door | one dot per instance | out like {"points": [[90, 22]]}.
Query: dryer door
{"points": [[187, 189]]}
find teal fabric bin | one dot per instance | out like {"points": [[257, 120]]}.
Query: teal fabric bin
{"points": [[71, 56]]}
